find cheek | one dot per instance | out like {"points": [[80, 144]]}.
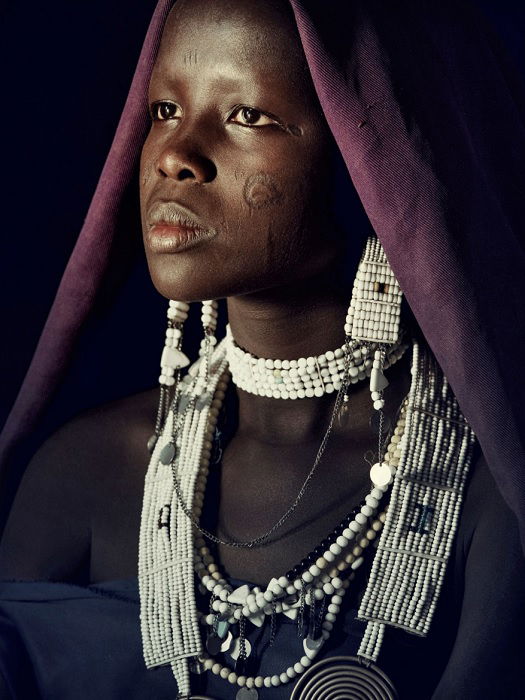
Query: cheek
{"points": [[261, 191], [146, 166]]}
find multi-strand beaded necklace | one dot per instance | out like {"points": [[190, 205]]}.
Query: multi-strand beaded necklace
{"points": [[427, 457]]}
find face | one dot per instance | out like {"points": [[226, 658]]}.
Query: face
{"points": [[235, 171]]}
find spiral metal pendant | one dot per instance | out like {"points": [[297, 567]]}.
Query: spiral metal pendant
{"points": [[341, 678]]}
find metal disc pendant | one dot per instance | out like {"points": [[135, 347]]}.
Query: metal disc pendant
{"points": [[203, 401], [375, 419], [381, 474], [151, 443], [344, 677], [184, 402], [167, 453], [213, 644], [247, 694]]}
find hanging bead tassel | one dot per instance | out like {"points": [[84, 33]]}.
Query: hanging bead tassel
{"points": [[209, 324], [171, 362], [381, 473], [343, 415]]}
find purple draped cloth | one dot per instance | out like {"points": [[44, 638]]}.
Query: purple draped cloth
{"points": [[428, 115]]}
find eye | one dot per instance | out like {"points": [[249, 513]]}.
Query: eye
{"points": [[163, 110], [248, 116]]}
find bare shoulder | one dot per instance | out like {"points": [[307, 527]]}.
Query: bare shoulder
{"points": [[49, 530]]}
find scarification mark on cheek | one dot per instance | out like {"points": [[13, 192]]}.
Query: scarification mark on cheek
{"points": [[190, 58], [260, 191]]}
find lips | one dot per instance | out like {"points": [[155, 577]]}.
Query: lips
{"points": [[172, 228]]}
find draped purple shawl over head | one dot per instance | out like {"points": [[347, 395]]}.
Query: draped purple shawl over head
{"points": [[428, 116]]}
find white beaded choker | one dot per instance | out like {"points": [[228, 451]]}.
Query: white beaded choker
{"points": [[306, 376]]}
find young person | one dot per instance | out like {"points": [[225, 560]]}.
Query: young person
{"points": [[303, 525]]}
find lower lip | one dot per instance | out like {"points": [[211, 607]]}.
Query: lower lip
{"points": [[163, 238]]}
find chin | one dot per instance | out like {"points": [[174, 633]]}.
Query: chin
{"points": [[182, 280]]}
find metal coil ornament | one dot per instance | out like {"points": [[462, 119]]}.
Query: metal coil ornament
{"points": [[344, 677]]}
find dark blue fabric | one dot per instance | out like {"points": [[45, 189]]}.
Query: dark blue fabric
{"points": [[64, 642]]}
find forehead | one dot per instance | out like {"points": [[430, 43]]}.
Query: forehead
{"points": [[242, 33]]}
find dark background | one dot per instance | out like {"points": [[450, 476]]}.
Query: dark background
{"points": [[66, 67]]}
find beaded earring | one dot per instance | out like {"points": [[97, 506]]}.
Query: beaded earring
{"points": [[172, 361], [373, 318]]}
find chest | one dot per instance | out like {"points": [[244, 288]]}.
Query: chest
{"points": [[286, 493]]}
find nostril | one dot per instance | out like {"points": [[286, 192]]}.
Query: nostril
{"points": [[186, 174]]}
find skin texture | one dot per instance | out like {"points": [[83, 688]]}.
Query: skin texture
{"points": [[260, 194]]}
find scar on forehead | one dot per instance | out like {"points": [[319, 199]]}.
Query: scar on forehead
{"points": [[261, 191], [190, 58]]}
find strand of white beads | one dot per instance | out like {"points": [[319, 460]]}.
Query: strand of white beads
{"points": [[304, 377]]}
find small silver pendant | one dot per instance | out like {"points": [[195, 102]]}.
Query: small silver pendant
{"points": [[381, 474], [183, 403], [167, 453], [151, 443], [213, 644], [196, 667], [203, 401], [344, 414], [247, 694]]}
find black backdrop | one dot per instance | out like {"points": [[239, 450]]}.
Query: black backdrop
{"points": [[66, 67]]}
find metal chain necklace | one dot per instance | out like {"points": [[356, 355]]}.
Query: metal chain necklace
{"points": [[257, 541]]}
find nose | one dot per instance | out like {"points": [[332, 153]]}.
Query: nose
{"points": [[181, 159]]}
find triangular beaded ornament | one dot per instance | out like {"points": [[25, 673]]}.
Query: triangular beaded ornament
{"points": [[375, 307]]}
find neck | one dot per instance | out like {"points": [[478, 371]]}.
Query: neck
{"points": [[290, 322], [287, 323]]}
